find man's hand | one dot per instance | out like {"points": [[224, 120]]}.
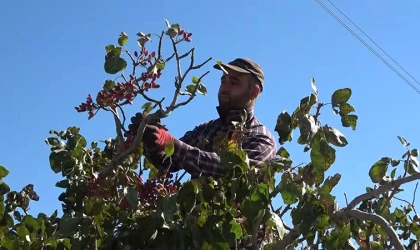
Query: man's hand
{"points": [[155, 135]]}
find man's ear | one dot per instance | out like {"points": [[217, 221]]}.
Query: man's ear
{"points": [[255, 92]]}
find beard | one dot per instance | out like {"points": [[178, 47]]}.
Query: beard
{"points": [[241, 101]]}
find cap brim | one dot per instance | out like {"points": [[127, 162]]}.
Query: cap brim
{"points": [[232, 67]]}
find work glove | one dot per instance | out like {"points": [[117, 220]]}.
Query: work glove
{"points": [[155, 135]]}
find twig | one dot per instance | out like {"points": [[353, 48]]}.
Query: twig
{"points": [[414, 194], [347, 201], [133, 61], [178, 180], [118, 127], [394, 191], [160, 45], [124, 117], [288, 239], [134, 146], [360, 215], [406, 201], [382, 189], [192, 95], [161, 113], [255, 230], [287, 208]]}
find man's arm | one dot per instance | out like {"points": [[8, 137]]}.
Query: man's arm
{"points": [[190, 137], [259, 148]]}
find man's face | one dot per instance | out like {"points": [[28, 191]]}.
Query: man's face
{"points": [[234, 91]]}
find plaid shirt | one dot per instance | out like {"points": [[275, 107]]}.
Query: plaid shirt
{"points": [[197, 157]]}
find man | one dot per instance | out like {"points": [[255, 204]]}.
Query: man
{"points": [[237, 95]]}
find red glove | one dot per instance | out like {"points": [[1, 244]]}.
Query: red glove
{"points": [[155, 138]]}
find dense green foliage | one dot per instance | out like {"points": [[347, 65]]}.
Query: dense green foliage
{"points": [[107, 205]]}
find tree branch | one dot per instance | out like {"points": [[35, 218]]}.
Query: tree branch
{"points": [[161, 113], [382, 189], [357, 214], [288, 239]]}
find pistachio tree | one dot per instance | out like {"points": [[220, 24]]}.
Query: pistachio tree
{"points": [[109, 201]]}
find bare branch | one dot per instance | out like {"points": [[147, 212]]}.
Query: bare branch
{"points": [[357, 214], [287, 208], [124, 118], [132, 60], [382, 189], [288, 239], [160, 45], [414, 193], [118, 128], [191, 96], [134, 146], [256, 229]]}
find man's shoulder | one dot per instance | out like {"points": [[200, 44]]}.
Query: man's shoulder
{"points": [[257, 128], [212, 122]]}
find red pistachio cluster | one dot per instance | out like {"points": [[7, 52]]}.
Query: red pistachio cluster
{"points": [[186, 35], [148, 192], [124, 93]]}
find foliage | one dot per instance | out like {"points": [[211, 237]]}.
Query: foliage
{"points": [[107, 205]]}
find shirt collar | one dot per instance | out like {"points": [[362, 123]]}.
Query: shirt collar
{"points": [[230, 115]]}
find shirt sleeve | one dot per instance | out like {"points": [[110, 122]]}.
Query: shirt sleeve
{"points": [[189, 138], [259, 148]]}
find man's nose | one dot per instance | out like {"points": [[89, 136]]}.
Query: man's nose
{"points": [[225, 85]]}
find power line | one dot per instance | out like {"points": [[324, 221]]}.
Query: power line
{"points": [[335, 6], [368, 46]]}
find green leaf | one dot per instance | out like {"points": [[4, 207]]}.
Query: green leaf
{"points": [[349, 121], [290, 190], [68, 224], [411, 165], [414, 152], [307, 103], [346, 108], [403, 141], [313, 85], [340, 96], [378, 171], [334, 136], [114, 64], [52, 142], [4, 188], [22, 231], [337, 238], [190, 89], [169, 149], [202, 89], [322, 155], [283, 127], [323, 222], [3, 172], [329, 184], [148, 106], [393, 173], [195, 79], [276, 222], [131, 195], [160, 65], [31, 223], [307, 127], [108, 85], [283, 152], [167, 23], [236, 229], [395, 162], [123, 39], [62, 184]]}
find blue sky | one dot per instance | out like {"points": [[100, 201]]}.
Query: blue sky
{"points": [[53, 55]]}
